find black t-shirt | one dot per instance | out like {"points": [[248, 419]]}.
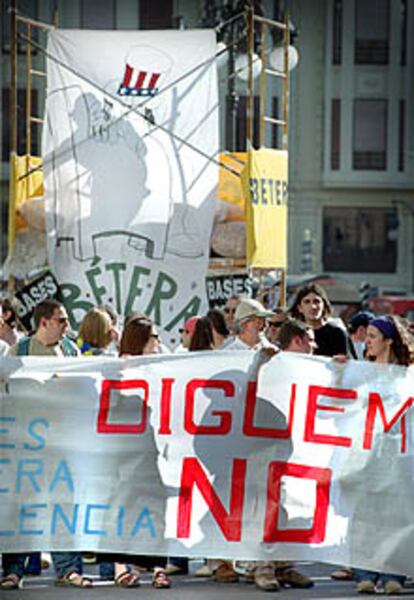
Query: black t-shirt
{"points": [[331, 339]]}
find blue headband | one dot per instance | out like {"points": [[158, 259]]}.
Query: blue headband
{"points": [[386, 327]]}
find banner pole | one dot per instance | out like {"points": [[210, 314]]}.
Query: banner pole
{"points": [[13, 138], [285, 130], [250, 91], [263, 87]]}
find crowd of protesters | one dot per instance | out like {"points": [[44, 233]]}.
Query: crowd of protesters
{"points": [[307, 327]]}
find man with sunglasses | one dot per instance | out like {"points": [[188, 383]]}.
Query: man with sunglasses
{"points": [[274, 323], [250, 319], [229, 312], [51, 322]]}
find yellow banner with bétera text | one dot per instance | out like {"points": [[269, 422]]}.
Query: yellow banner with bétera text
{"points": [[265, 189]]}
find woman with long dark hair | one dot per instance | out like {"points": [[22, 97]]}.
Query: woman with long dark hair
{"points": [[221, 333], [202, 338], [140, 338]]}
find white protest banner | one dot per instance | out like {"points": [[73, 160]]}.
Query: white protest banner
{"points": [[131, 126], [182, 455]]}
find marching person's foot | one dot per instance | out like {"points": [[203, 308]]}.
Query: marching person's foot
{"points": [[392, 588], [203, 571], [342, 574], [292, 578], [225, 573], [10, 582], [366, 586], [265, 580], [172, 569]]}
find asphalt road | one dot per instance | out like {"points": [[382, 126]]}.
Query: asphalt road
{"points": [[188, 587]]}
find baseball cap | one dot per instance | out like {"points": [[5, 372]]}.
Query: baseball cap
{"points": [[364, 318], [249, 308], [190, 324]]}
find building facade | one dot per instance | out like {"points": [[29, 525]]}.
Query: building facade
{"points": [[351, 127]]}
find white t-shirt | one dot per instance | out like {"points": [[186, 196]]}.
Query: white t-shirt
{"points": [[238, 344], [4, 348]]}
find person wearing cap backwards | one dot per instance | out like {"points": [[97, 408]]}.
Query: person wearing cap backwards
{"points": [[186, 334], [357, 328]]}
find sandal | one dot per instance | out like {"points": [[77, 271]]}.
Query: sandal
{"points": [[10, 582], [160, 580], [126, 579], [343, 574], [74, 579]]}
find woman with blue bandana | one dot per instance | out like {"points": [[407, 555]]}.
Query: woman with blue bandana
{"points": [[387, 342]]}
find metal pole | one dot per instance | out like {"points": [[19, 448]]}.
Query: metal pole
{"points": [[232, 98], [13, 82], [285, 130], [262, 136], [13, 135], [285, 84], [250, 90], [28, 94]]}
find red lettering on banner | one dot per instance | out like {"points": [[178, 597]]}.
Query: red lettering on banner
{"points": [[375, 405], [225, 417], [266, 432], [229, 522], [165, 408], [314, 392], [315, 535], [105, 401]]}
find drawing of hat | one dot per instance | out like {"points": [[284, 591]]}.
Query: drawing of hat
{"points": [[144, 67]]}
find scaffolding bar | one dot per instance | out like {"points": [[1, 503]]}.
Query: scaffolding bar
{"points": [[262, 134], [34, 23], [274, 121], [280, 74], [37, 73], [270, 22], [250, 89], [28, 94]]}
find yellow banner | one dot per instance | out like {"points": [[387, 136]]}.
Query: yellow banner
{"points": [[230, 187], [265, 186], [26, 187]]}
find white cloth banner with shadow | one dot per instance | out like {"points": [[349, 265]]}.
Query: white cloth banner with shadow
{"points": [[131, 126]]}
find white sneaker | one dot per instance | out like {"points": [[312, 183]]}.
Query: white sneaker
{"points": [[203, 571], [393, 588], [366, 586]]}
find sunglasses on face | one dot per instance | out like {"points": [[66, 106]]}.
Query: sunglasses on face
{"points": [[275, 324], [60, 320], [229, 311]]}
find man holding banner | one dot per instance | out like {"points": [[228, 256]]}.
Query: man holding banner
{"points": [[49, 339]]}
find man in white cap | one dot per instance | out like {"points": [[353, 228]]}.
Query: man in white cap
{"points": [[250, 318]]}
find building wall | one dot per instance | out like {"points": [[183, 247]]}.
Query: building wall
{"points": [[314, 186]]}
